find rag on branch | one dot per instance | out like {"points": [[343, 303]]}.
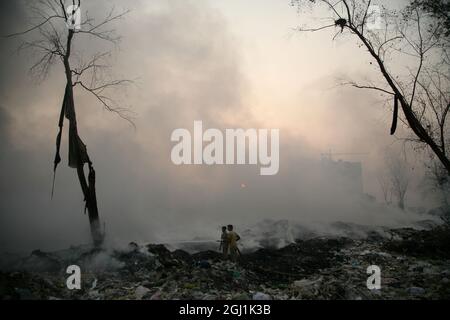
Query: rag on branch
{"points": [[235, 144]]}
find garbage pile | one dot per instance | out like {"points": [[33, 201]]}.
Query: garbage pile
{"points": [[414, 265]]}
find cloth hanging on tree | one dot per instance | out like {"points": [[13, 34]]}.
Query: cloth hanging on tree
{"points": [[395, 115], [77, 149]]}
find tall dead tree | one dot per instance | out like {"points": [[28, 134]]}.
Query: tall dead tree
{"points": [[52, 37], [386, 188], [411, 53], [399, 175]]}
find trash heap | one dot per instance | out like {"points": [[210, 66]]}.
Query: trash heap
{"points": [[414, 265]]}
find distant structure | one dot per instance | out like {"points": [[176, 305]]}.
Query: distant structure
{"points": [[345, 175]]}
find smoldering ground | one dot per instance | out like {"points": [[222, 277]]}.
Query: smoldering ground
{"points": [[187, 65]]}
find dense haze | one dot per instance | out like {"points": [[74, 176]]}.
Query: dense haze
{"points": [[191, 60]]}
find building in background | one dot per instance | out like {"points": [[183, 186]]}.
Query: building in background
{"points": [[345, 175]]}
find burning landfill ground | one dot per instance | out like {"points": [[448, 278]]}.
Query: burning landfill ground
{"points": [[414, 263]]}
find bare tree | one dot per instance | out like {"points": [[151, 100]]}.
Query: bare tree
{"points": [[386, 187], [52, 37], [410, 51], [439, 10], [399, 179], [438, 182]]}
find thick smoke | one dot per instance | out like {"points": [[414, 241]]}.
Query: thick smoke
{"points": [[187, 66]]}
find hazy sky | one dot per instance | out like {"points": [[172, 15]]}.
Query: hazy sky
{"points": [[231, 64]]}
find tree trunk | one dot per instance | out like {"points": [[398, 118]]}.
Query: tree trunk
{"points": [[411, 118], [91, 206], [401, 204], [87, 187]]}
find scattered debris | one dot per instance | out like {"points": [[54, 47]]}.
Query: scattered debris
{"points": [[141, 292], [261, 296], [414, 265]]}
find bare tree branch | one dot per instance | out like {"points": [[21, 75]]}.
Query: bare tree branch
{"points": [[56, 42], [424, 98]]}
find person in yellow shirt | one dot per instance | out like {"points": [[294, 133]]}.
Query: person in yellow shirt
{"points": [[233, 238]]}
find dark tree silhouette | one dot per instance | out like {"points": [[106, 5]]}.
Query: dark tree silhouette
{"points": [[413, 39], [52, 38], [440, 10], [399, 178]]}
